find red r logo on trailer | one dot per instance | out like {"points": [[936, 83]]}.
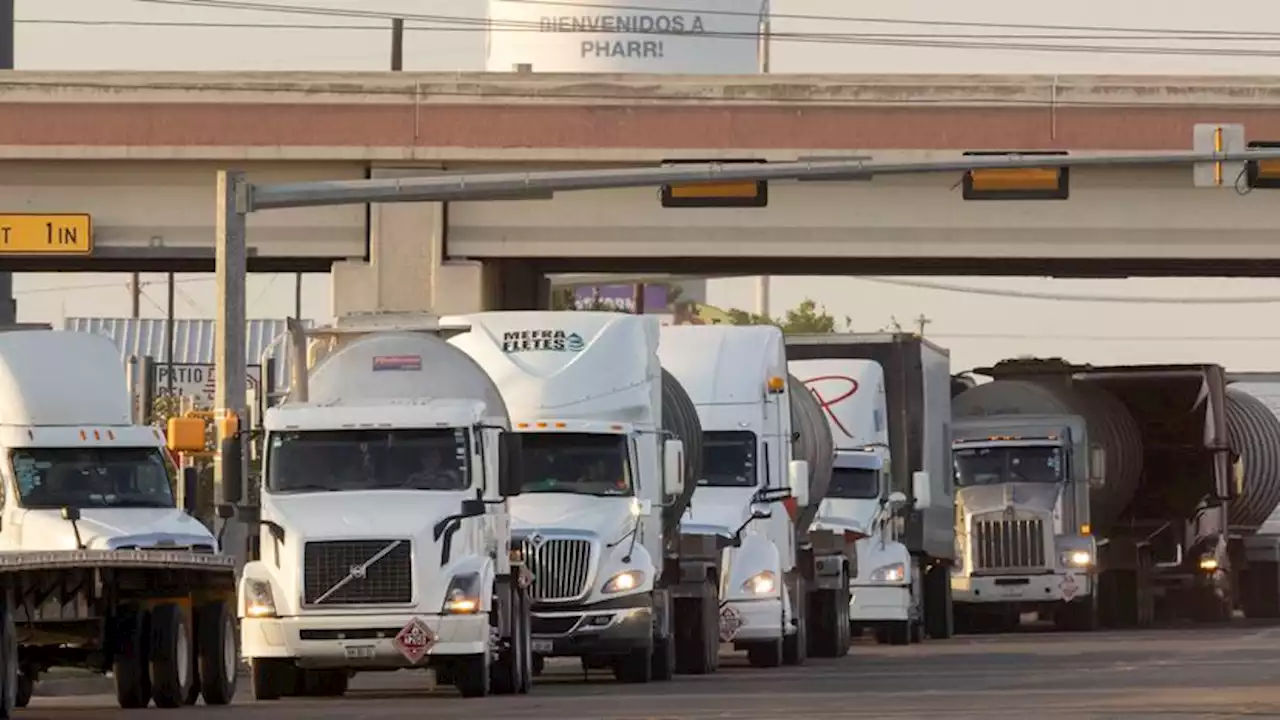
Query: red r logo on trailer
{"points": [[826, 404]]}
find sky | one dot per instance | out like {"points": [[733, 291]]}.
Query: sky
{"points": [[908, 36]]}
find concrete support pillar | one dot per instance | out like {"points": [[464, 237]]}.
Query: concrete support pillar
{"points": [[516, 285], [406, 271]]}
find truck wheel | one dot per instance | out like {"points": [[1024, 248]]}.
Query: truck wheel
{"points": [[829, 637], [698, 636], [26, 688], [471, 675], [539, 664], [172, 659], [664, 658], [765, 655], [895, 633], [270, 678], [10, 674], [130, 664], [795, 647], [219, 660], [323, 683], [510, 672], [938, 607], [634, 667]]}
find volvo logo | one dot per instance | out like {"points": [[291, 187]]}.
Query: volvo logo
{"points": [[358, 572]]}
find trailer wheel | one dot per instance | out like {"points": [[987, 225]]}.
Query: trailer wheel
{"points": [[270, 677], [172, 660], [9, 670], [219, 658], [471, 675], [130, 664]]}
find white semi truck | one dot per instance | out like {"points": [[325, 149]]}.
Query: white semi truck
{"points": [[861, 503], [780, 599], [99, 567], [384, 533], [611, 449], [918, 394]]}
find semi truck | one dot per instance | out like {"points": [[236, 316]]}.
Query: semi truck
{"points": [[99, 566], [1112, 495], [613, 451], [918, 395], [784, 590], [860, 503], [384, 536]]}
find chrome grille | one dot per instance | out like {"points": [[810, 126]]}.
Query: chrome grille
{"points": [[561, 567], [1000, 543], [389, 581]]}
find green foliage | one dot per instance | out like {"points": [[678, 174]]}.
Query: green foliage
{"points": [[807, 318]]}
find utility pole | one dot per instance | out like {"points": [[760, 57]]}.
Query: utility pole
{"points": [[921, 321], [8, 306], [762, 52], [397, 44], [135, 296]]}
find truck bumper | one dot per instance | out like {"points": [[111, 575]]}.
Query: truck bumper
{"points": [[879, 603], [751, 621], [1029, 589], [614, 627], [359, 641]]}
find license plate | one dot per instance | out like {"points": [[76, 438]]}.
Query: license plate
{"points": [[543, 647], [359, 652]]}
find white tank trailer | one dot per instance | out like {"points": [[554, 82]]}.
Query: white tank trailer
{"points": [[1138, 489]]}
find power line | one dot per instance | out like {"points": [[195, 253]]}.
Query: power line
{"points": [[1107, 338], [1056, 297]]}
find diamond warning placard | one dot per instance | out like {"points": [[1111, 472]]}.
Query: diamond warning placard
{"points": [[414, 640], [730, 623]]}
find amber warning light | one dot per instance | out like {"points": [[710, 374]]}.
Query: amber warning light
{"points": [[1262, 174], [730, 193], [1049, 183]]}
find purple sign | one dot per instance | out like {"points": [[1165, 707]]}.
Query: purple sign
{"points": [[622, 297]]}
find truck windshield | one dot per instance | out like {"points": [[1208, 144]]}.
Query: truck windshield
{"points": [[51, 478], [400, 459], [729, 459], [854, 484], [998, 465], [582, 463]]}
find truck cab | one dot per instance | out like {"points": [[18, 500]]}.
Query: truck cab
{"points": [[384, 532], [1023, 519]]}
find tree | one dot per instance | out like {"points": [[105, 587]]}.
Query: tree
{"points": [[807, 318]]}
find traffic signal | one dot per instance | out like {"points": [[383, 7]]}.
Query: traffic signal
{"points": [[1049, 183], [716, 193]]}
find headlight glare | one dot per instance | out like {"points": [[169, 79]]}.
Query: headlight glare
{"points": [[463, 595], [762, 583], [894, 573], [258, 600], [624, 581], [1077, 558]]}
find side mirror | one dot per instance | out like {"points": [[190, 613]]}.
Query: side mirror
{"points": [[232, 479], [921, 488], [71, 514], [225, 511], [1097, 466], [897, 499], [190, 490], [510, 464], [641, 508], [472, 507], [673, 468], [798, 480]]}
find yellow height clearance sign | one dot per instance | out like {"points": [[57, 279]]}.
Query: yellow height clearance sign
{"points": [[46, 234]]}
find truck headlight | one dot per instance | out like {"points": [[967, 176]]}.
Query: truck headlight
{"points": [[623, 581], [762, 583], [895, 573], [462, 597], [1077, 558], [258, 600], [1208, 563]]}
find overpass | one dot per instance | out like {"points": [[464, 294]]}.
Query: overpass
{"points": [[138, 152]]}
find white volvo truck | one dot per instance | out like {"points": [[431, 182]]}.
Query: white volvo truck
{"points": [[737, 378], [860, 502], [384, 539], [99, 567], [605, 431]]}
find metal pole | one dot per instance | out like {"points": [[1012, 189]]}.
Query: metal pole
{"points": [[762, 282], [397, 44], [169, 336], [762, 296], [232, 266], [297, 296], [135, 292], [8, 306]]}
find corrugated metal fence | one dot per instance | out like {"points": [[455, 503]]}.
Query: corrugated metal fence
{"points": [[192, 339]]}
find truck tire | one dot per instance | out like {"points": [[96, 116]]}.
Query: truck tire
{"points": [[471, 675], [895, 633], [636, 667], [26, 688], [323, 683], [1078, 616], [130, 664], [698, 636], [270, 678], [765, 655], [795, 647], [9, 662], [664, 658], [511, 671], [219, 658], [939, 609], [829, 615], [172, 657]]}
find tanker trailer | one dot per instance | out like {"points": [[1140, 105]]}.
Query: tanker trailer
{"points": [[823, 567], [1094, 492], [1254, 434]]}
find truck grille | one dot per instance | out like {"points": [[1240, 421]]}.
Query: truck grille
{"points": [[561, 568], [389, 581], [1003, 544]]}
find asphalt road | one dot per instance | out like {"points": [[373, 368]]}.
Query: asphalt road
{"points": [[1217, 672]]}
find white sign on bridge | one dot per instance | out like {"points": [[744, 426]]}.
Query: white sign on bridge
{"points": [[197, 381]]}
